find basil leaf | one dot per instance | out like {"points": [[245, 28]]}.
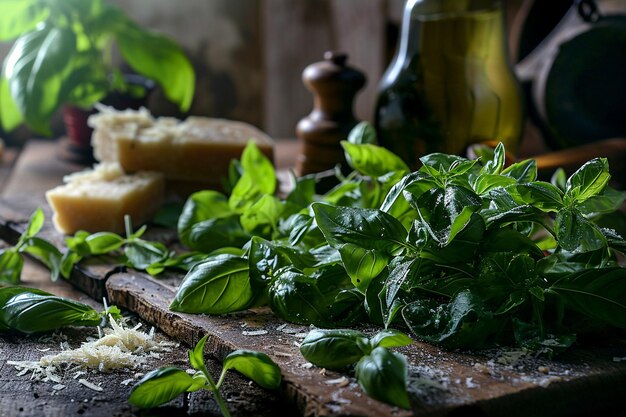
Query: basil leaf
{"points": [[36, 68], [216, 286], [160, 386], [445, 211], [10, 116], [464, 322], [159, 58], [373, 161], [196, 355], [588, 180], [522, 172], [6, 293], [383, 376], [559, 179], [365, 238], [101, 243], [207, 222], [323, 299], [46, 253], [303, 191], [11, 264], [20, 16], [265, 258], [258, 178], [32, 313], [390, 338], [607, 202], [142, 254], [35, 223], [485, 183], [598, 293], [577, 234], [362, 133], [542, 195], [261, 218], [495, 165], [334, 349], [255, 365]]}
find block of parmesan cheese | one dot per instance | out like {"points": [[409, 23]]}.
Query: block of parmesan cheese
{"points": [[194, 153], [97, 200]]}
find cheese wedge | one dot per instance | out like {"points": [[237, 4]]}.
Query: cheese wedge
{"points": [[97, 200], [193, 154]]}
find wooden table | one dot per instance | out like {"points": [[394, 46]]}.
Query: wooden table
{"points": [[587, 381]]}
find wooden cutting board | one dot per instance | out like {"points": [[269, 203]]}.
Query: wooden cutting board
{"points": [[588, 380]]}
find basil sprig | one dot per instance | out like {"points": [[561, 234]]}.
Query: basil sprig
{"points": [[28, 310], [381, 373], [164, 384], [12, 260]]}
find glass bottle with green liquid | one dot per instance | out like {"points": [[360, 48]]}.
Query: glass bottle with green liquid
{"points": [[451, 83]]}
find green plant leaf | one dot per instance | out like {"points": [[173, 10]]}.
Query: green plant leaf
{"points": [[362, 133], [10, 115], [577, 234], [383, 376], [35, 223], [160, 386], [523, 172], [373, 161], [390, 338], [6, 293], [262, 217], [445, 211], [20, 16], [142, 254], [101, 243], [32, 313], [588, 180], [606, 203], [46, 253], [219, 285], [599, 293], [365, 238], [542, 195], [160, 58], [258, 178], [255, 365], [196, 355], [334, 349], [496, 164], [36, 69], [325, 299], [11, 264]]}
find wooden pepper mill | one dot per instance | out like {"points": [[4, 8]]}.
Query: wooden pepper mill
{"points": [[334, 86]]}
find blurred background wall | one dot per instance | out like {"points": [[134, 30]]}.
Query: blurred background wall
{"points": [[249, 54]]}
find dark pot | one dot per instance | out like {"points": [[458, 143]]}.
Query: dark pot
{"points": [[75, 118]]}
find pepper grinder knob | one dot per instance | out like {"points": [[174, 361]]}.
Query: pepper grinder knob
{"points": [[334, 85]]}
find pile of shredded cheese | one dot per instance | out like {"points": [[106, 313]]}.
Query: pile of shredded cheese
{"points": [[119, 347]]}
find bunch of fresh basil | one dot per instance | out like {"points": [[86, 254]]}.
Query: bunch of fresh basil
{"points": [[164, 384], [28, 310], [465, 253]]}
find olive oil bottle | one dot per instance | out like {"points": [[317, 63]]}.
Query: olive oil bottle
{"points": [[450, 83]]}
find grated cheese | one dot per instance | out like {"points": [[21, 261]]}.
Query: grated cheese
{"points": [[90, 385], [119, 347]]}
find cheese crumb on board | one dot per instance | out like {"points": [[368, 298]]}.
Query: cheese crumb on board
{"points": [[98, 199], [120, 347], [193, 154]]}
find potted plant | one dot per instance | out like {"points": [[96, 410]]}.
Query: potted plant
{"points": [[63, 55]]}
